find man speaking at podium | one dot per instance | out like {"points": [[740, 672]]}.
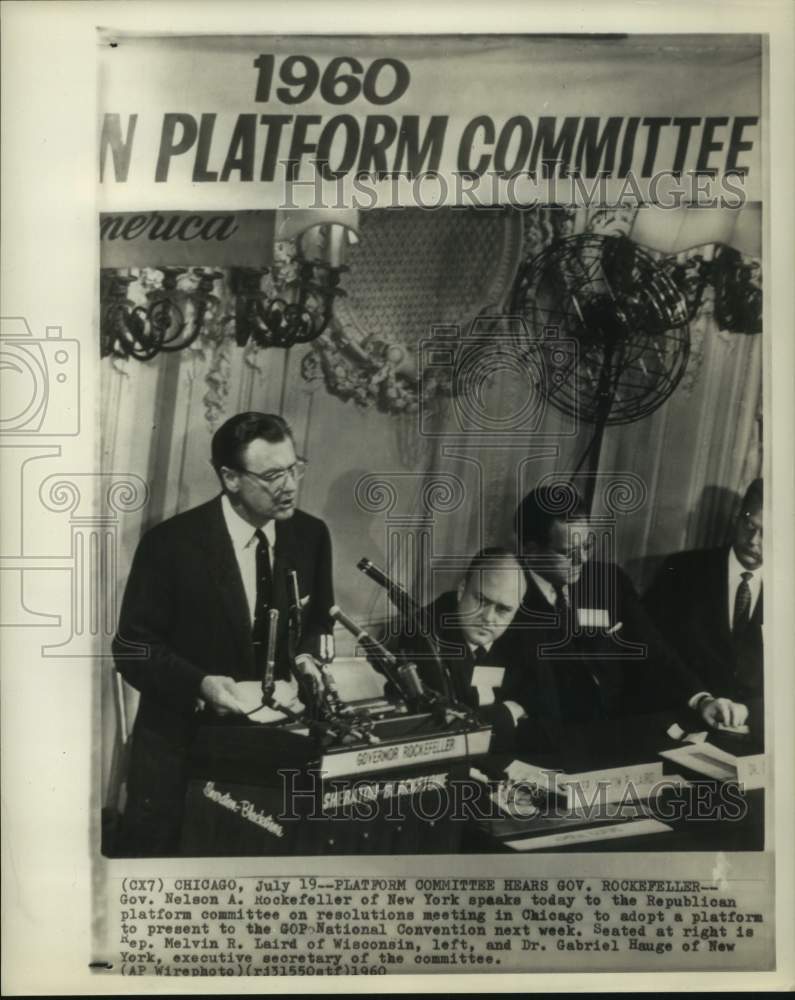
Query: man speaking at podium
{"points": [[194, 617]]}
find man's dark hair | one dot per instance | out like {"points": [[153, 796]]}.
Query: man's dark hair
{"points": [[234, 436], [490, 558], [754, 498], [541, 507]]}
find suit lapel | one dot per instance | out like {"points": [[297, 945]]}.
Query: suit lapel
{"points": [[535, 607], [717, 593], [457, 660], [460, 668], [758, 617], [224, 573]]}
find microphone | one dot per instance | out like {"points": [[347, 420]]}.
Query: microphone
{"points": [[324, 655], [409, 608], [420, 695], [293, 590], [380, 652], [411, 679], [402, 676], [308, 684], [269, 677], [397, 595], [387, 662]]}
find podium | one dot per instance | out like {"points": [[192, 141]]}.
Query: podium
{"points": [[273, 790]]}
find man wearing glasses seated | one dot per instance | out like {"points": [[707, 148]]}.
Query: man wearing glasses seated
{"points": [[594, 654], [194, 618]]}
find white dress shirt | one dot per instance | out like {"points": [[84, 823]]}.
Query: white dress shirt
{"points": [[736, 570], [244, 543], [474, 646]]}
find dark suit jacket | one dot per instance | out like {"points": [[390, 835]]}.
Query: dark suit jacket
{"points": [[437, 620], [184, 616], [573, 678], [689, 600]]}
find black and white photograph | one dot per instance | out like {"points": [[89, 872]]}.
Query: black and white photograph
{"points": [[394, 511]]}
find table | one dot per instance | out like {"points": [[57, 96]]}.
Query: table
{"points": [[706, 812]]}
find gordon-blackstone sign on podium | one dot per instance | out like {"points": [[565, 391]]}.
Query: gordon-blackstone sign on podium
{"points": [[420, 580]]}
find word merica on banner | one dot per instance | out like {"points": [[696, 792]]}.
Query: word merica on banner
{"points": [[279, 123], [186, 239]]}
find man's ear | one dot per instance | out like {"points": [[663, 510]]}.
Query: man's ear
{"points": [[230, 479], [460, 589]]}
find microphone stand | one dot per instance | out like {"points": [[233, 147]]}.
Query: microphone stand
{"points": [[269, 677], [321, 704], [385, 661], [307, 685], [409, 609], [341, 728], [402, 676]]}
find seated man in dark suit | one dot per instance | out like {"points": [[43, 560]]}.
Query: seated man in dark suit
{"points": [[708, 605], [594, 653], [194, 618], [469, 628]]}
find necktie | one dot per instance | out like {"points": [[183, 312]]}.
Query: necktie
{"points": [[479, 653], [259, 632], [742, 603]]}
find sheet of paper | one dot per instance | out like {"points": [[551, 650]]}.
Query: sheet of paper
{"points": [[486, 680], [593, 618], [634, 828]]}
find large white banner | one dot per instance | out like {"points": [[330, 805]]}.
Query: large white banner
{"points": [[276, 122]]}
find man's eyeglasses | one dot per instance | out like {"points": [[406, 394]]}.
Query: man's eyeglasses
{"points": [[750, 525], [276, 479], [583, 547]]}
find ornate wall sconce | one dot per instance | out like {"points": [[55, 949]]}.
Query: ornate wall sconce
{"points": [[736, 283], [174, 317], [277, 321], [142, 332], [726, 267]]}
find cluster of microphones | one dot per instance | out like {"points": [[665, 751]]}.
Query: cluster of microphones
{"points": [[323, 705]]}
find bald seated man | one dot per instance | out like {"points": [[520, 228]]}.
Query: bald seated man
{"points": [[471, 627]]}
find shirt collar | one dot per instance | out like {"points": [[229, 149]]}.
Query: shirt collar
{"points": [[546, 588], [736, 568], [240, 531], [486, 647]]}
